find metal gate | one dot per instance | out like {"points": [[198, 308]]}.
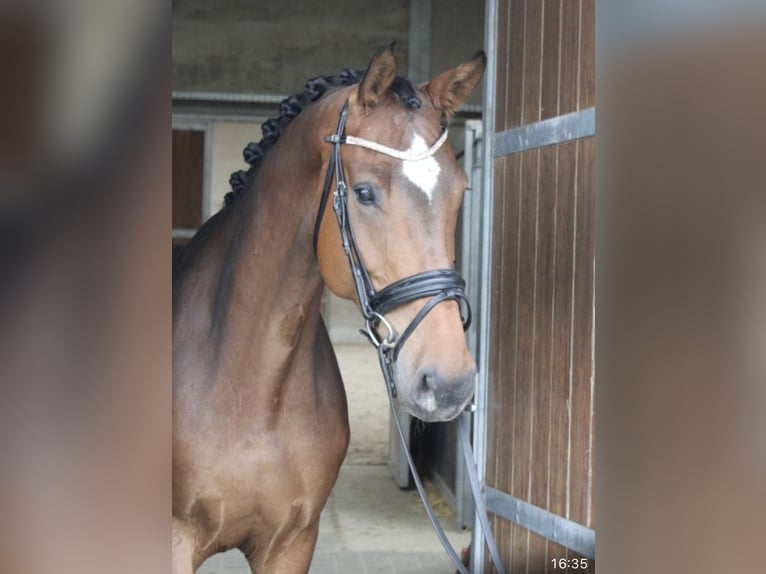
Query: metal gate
{"points": [[534, 423]]}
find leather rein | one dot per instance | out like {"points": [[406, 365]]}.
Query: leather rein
{"points": [[437, 284]]}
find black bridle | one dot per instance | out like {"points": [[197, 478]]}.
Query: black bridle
{"points": [[438, 284]]}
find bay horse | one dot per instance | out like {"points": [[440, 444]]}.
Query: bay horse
{"points": [[260, 423]]}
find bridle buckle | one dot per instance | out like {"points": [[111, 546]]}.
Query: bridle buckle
{"points": [[335, 139], [389, 342]]}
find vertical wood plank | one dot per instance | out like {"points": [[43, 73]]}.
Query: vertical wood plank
{"points": [[562, 322], [533, 56], [592, 521], [549, 185], [538, 436], [499, 303], [524, 338], [588, 99], [582, 317], [515, 81], [551, 59], [505, 263], [588, 54], [570, 55], [497, 326], [543, 345], [513, 211], [501, 67]]}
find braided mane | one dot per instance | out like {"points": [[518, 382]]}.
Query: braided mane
{"points": [[291, 106]]}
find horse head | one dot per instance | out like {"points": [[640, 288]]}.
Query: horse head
{"points": [[405, 188]]}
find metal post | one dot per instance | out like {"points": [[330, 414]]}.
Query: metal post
{"points": [[480, 416], [419, 50], [470, 268]]}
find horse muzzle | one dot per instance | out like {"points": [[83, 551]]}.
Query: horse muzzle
{"points": [[434, 396]]}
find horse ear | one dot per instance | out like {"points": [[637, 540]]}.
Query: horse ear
{"points": [[449, 90], [379, 76]]}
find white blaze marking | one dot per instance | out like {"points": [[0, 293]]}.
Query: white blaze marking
{"points": [[424, 173]]}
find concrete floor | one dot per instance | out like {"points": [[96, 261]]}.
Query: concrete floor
{"points": [[369, 525]]}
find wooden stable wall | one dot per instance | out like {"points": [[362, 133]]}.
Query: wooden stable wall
{"points": [[188, 180], [540, 393]]}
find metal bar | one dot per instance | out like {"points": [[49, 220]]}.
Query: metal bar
{"points": [[207, 168], [470, 268], [185, 97], [540, 521], [419, 49], [397, 458], [464, 512], [470, 256], [487, 193], [190, 123], [221, 115], [547, 132], [190, 96], [184, 232]]}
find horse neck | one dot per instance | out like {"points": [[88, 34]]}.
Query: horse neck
{"points": [[268, 294]]}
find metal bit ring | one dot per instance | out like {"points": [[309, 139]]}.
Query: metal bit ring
{"points": [[389, 341]]}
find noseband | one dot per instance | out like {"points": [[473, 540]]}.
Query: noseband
{"points": [[438, 284]]}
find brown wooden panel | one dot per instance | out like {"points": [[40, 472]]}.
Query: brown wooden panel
{"points": [[530, 546], [588, 54], [582, 316], [522, 431], [508, 354], [494, 413], [524, 342], [533, 60], [515, 70], [525, 275], [501, 76], [188, 165], [494, 418], [562, 333], [592, 521], [506, 348], [541, 413], [551, 58], [570, 56], [542, 336]]}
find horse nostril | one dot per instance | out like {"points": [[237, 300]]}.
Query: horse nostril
{"points": [[428, 382], [433, 392], [425, 392]]}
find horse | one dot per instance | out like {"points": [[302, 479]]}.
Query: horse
{"points": [[260, 422]]}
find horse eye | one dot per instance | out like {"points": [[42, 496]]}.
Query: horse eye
{"points": [[364, 194]]}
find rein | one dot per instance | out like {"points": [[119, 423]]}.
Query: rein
{"points": [[438, 284]]}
